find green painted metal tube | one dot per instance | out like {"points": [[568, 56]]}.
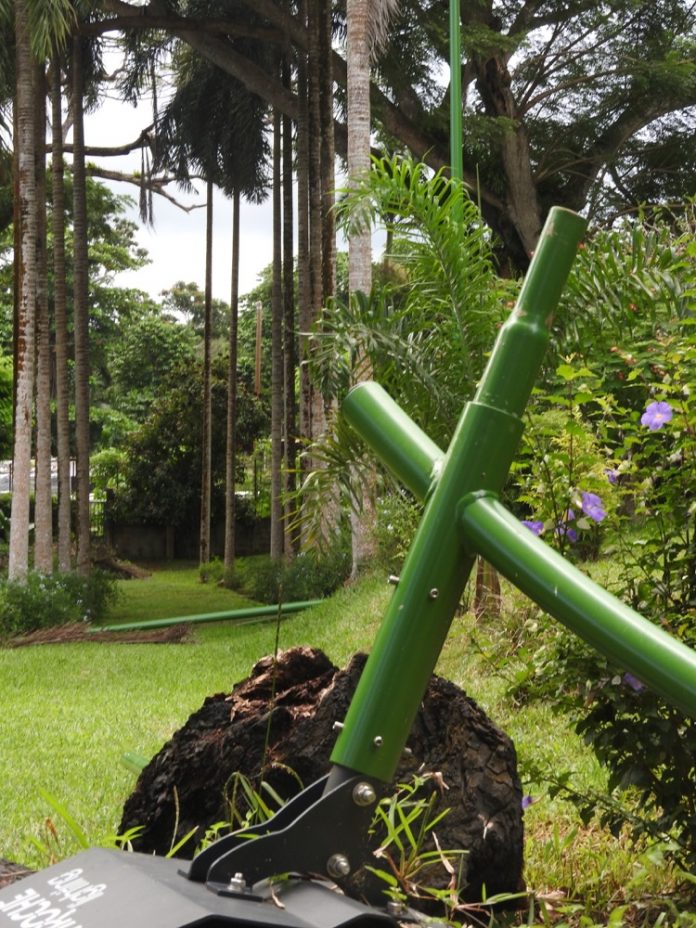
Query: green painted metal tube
{"points": [[250, 612], [658, 660], [420, 612], [402, 446]]}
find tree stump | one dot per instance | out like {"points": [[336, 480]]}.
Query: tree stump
{"points": [[278, 726]]}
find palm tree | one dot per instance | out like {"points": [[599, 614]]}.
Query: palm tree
{"points": [[277, 530], [25, 263], [43, 505], [289, 352], [80, 311], [60, 318], [207, 425], [38, 25], [214, 126], [230, 440], [366, 25]]}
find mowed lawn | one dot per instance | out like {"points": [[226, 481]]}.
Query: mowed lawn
{"points": [[70, 711]]}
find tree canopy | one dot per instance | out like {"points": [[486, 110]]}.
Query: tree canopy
{"points": [[582, 104]]}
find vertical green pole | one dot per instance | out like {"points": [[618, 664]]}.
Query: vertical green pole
{"points": [[455, 42], [415, 626]]}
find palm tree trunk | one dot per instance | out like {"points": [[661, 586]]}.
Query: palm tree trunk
{"points": [[81, 314], [303, 267], [207, 430], [26, 262], [358, 85], [61, 322], [316, 238], [289, 359], [230, 445], [314, 162], [277, 531], [43, 508], [328, 153]]}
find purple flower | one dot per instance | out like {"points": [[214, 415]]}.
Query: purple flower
{"points": [[592, 506], [655, 415], [564, 531], [633, 682], [527, 801], [535, 526], [612, 474]]}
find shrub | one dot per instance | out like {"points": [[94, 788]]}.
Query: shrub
{"points": [[398, 515], [639, 412], [44, 601], [211, 572], [310, 575]]}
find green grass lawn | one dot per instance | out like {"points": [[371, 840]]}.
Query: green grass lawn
{"points": [[174, 587], [71, 711]]}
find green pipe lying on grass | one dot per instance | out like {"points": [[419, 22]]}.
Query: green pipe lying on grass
{"points": [[250, 612]]}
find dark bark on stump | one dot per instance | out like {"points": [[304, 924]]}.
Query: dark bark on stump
{"points": [[451, 737]]}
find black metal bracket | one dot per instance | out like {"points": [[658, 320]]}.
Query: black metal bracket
{"points": [[318, 832]]}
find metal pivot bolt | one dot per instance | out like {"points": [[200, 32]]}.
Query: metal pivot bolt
{"points": [[378, 741], [237, 884], [338, 866], [364, 794], [434, 593]]}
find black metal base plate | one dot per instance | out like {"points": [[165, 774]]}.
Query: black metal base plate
{"points": [[114, 889]]}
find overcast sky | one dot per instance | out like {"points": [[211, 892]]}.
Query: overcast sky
{"points": [[176, 242]]}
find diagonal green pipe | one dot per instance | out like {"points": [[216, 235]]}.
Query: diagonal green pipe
{"points": [[420, 612]]}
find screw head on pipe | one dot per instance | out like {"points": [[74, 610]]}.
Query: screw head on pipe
{"points": [[364, 794], [434, 593], [338, 866]]}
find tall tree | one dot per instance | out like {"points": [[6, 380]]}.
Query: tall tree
{"points": [[207, 433], [231, 436], [43, 500], [213, 126], [277, 379], [80, 310], [60, 317], [25, 263], [366, 25], [289, 332]]}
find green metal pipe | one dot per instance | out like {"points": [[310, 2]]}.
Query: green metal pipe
{"points": [[438, 564], [250, 612], [403, 447], [658, 660]]}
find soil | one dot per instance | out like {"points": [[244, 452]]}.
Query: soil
{"points": [[277, 726], [11, 872]]}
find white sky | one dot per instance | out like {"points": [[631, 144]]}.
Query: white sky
{"points": [[176, 243]]}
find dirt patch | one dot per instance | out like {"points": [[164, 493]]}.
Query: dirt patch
{"points": [[11, 872], [278, 726], [77, 632]]}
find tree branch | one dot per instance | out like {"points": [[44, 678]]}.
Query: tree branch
{"points": [[155, 184]]}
